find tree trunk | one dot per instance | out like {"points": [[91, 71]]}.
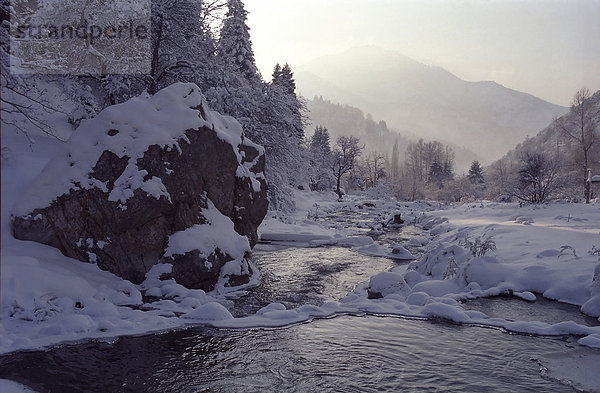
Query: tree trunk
{"points": [[337, 187], [587, 184], [586, 177]]}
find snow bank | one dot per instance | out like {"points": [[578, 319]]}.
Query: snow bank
{"points": [[64, 300]]}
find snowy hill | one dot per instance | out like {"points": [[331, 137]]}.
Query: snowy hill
{"points": [[428, 101]]}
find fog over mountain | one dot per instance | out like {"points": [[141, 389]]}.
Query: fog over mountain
{"points": [[428, 101]]}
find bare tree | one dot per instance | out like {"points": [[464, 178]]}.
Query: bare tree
{"points": [[345, 154], [374, 165], [537, 178], [580, 128], [21, 105], [499, 179]]}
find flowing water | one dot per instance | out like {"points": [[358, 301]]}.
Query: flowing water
{"points": [[342, 354], [297, 276]]}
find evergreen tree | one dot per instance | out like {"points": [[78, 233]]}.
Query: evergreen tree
{"points": [[475, 175], [283, 81], [285, 78], [276, 73], [235, 47], [320, 160], [440, 172], [320, 141], [436, 173], [448, 171]]}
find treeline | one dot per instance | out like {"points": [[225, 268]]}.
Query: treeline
{"points": [[345, 120], [203, 42], [425, 170], [555, 164], [385, 160]]}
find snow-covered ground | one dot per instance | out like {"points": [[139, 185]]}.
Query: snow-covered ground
{"points": [[544, 249], [48, 298]]}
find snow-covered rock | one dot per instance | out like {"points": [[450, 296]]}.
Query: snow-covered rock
{"points": [[157, 178], [592, 306], [386, 283]]}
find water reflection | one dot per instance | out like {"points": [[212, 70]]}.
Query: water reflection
{"points": [[349, 354], [298, 276], [542, 310]]}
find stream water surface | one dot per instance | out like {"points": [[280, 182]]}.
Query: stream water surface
{"points": [[342, 354]]}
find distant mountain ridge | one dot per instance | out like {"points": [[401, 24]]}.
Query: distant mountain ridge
{"points": [[428, 101], [345, 120]]}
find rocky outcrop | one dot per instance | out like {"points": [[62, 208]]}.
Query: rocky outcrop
{"points": [[155, 179]]}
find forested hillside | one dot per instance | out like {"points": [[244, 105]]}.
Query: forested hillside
{"points": [[566, 149], [217, 56]]}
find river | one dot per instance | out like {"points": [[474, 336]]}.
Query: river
{"points": [[363, 353]]}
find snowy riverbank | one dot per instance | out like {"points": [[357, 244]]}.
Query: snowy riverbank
{"points": [[48, 298]]}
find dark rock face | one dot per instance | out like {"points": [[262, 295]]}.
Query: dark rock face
{"points": [[128, 240]]}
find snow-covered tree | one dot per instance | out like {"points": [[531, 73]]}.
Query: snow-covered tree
{"points": [[283, 81], [320, 141], [235, 46], [319, 148], [284, 77], [32, 103], [276, 73]]}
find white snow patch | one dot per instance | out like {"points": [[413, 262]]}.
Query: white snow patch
{"points": [[7, 386], [218, 232]]}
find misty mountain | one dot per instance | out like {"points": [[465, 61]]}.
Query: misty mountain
{"points": [[374, 134], [428, 101]]}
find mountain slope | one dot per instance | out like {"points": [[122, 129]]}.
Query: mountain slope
{"points": [[428, 101], [564, 151], [345, 120]]}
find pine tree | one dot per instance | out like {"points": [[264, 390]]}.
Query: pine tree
{"points": [[286, 79], [436, 173], [320, 160], [476, 173], [235, 47], [283, 81], [276, 74], [320, 141]]}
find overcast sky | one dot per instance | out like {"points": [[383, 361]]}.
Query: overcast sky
{"points": [[548, 48]]}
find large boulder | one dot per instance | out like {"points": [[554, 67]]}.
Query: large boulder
{"points": [[156, 179]]}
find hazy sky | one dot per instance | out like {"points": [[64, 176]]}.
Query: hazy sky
{"points": [[547, 48]]}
